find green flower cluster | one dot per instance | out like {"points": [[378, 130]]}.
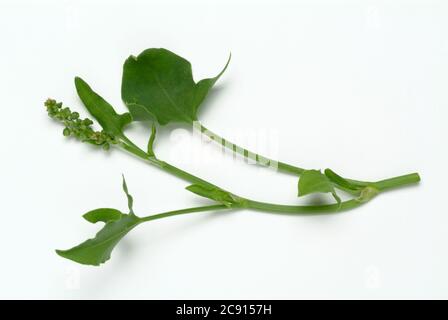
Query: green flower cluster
{"points": [[76, 127]]}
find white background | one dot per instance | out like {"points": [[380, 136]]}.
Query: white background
{"points": [[358, 86]]}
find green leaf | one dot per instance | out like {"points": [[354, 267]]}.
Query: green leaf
{"points": [[130, 199], [340, 181], [158, 85], [103, 215], [216, 194], [101, 110], [98, 249], [313, 181]]}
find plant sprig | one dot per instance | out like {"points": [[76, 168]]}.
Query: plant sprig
{"points": [[98, 250], [158, 86]]}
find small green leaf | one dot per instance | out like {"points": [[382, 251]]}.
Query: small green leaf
{"points": [[340, 181], [101, 110], [158, 85], [103, 215], [151, 141], [130, 199], [216, 194], [313, 181], [98, 249]]}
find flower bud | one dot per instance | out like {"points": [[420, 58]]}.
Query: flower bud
{"points": [[74, 116]]}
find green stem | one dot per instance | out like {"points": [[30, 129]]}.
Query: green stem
{"points": [[272, 207], [382, 185], [184, 175], [247, 154], [183, 211], [396, 182], [312, 209], [263, 206], [132, 148]]}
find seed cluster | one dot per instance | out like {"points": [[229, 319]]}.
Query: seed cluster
{"points": [[76, 127]]}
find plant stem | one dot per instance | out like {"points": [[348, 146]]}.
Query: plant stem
{"points": [[262, 206], [184, 175], [183, 211], [247, 154], [396, 182], [165, 166], [312, 209], [382, 185]]}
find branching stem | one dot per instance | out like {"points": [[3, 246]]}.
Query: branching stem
{"points": [[183, 211], [263, 206], [382, 185]]}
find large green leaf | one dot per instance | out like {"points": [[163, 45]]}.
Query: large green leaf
{"points": [[158, 85], [313, 181], [101, 110], [98, 249]]}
